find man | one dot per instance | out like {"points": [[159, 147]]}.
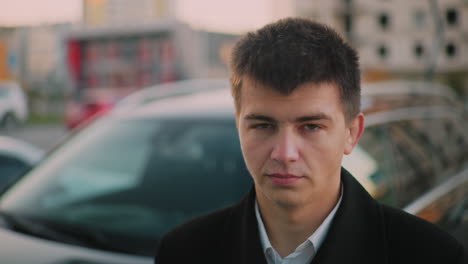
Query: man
{"points": [[296, 89]]}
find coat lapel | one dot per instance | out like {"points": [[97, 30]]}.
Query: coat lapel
{"points": [[357, 233], [247, 247]]}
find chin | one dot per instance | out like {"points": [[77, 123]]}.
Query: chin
{"points": [[288, 203], [285, 198]]}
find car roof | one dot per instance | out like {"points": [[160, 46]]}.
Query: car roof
{"points": [[169, 90], [460, 180], [192, 100], [20, 149], [203, 104], [407, 87]]}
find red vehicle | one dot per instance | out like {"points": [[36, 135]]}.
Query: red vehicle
{"points": [[77, 113]]}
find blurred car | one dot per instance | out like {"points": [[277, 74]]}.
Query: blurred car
{"points": [[77, 114], [447, 206], [169, 90], [102, 100], [416, 136], [16, 157], [136, 172], [13, 105]]}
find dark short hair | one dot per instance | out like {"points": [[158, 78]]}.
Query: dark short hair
{"points": [[292, 51]]}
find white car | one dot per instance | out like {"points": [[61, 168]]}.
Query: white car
{"points": [[13, 105]]}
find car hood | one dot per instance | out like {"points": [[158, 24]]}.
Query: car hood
{"points": [[19, 248]]}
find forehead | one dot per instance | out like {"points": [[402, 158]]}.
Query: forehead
{"points": [[306, 99], [252, 89]]}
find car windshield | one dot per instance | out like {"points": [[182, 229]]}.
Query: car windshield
{"points": [[135, 178], [131, 179]]}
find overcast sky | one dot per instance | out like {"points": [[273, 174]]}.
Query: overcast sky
{"points": [[219, 15]]}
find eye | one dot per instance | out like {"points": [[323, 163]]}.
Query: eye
{"points": [[262, 126], [311, 127]]}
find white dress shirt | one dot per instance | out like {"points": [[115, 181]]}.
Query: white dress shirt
{"points": [[306, 251]]}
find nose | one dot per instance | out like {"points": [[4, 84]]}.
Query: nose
{"points": [[285, 148]]}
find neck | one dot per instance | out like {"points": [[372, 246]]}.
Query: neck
{"points": [[288, 227]]}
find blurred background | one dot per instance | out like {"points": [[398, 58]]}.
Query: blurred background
{"points": [[76, 57]]}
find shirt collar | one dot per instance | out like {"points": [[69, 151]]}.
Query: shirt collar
{"points": [[316, 238]]}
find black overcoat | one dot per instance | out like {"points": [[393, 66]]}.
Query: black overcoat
{"points": [[363, 231]]}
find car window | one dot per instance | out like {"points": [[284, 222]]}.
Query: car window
{"points": [[413, 156], [10, 169], [105, 162], [136, 178], [427, 151]]}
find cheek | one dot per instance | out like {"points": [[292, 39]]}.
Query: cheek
{"points": [[255, 153], [325, 149]]}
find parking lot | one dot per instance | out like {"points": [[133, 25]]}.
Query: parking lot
{"points": [[44, 136]]}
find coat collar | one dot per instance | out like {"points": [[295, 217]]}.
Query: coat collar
{"points": [[356, 234], [248, 248]]}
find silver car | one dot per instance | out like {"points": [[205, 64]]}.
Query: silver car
{"points": [[111, 191]]}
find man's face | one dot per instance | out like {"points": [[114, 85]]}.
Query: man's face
{"points": [[293, 145]]}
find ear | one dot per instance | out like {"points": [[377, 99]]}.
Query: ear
{"points": [[354, 132]]}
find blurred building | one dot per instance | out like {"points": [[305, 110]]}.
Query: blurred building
{"points": [[39, 55], [129, 57], [37, 62], [413, 39], [32, 54], [109, 61], [127, 45], [7, 60], [121, 12]]}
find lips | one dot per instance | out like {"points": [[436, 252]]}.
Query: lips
{"points": [[283, 179]]}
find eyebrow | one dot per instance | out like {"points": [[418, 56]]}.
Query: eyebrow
{"points": [[315, 117], [257, 117]]}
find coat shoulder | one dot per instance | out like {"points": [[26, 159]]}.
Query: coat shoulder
{"points": [[200, 235], [201, 227], [411, 238]]}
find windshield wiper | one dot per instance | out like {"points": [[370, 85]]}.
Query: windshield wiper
{"points": [[30, 227], [64, 232], [92, 237]]}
